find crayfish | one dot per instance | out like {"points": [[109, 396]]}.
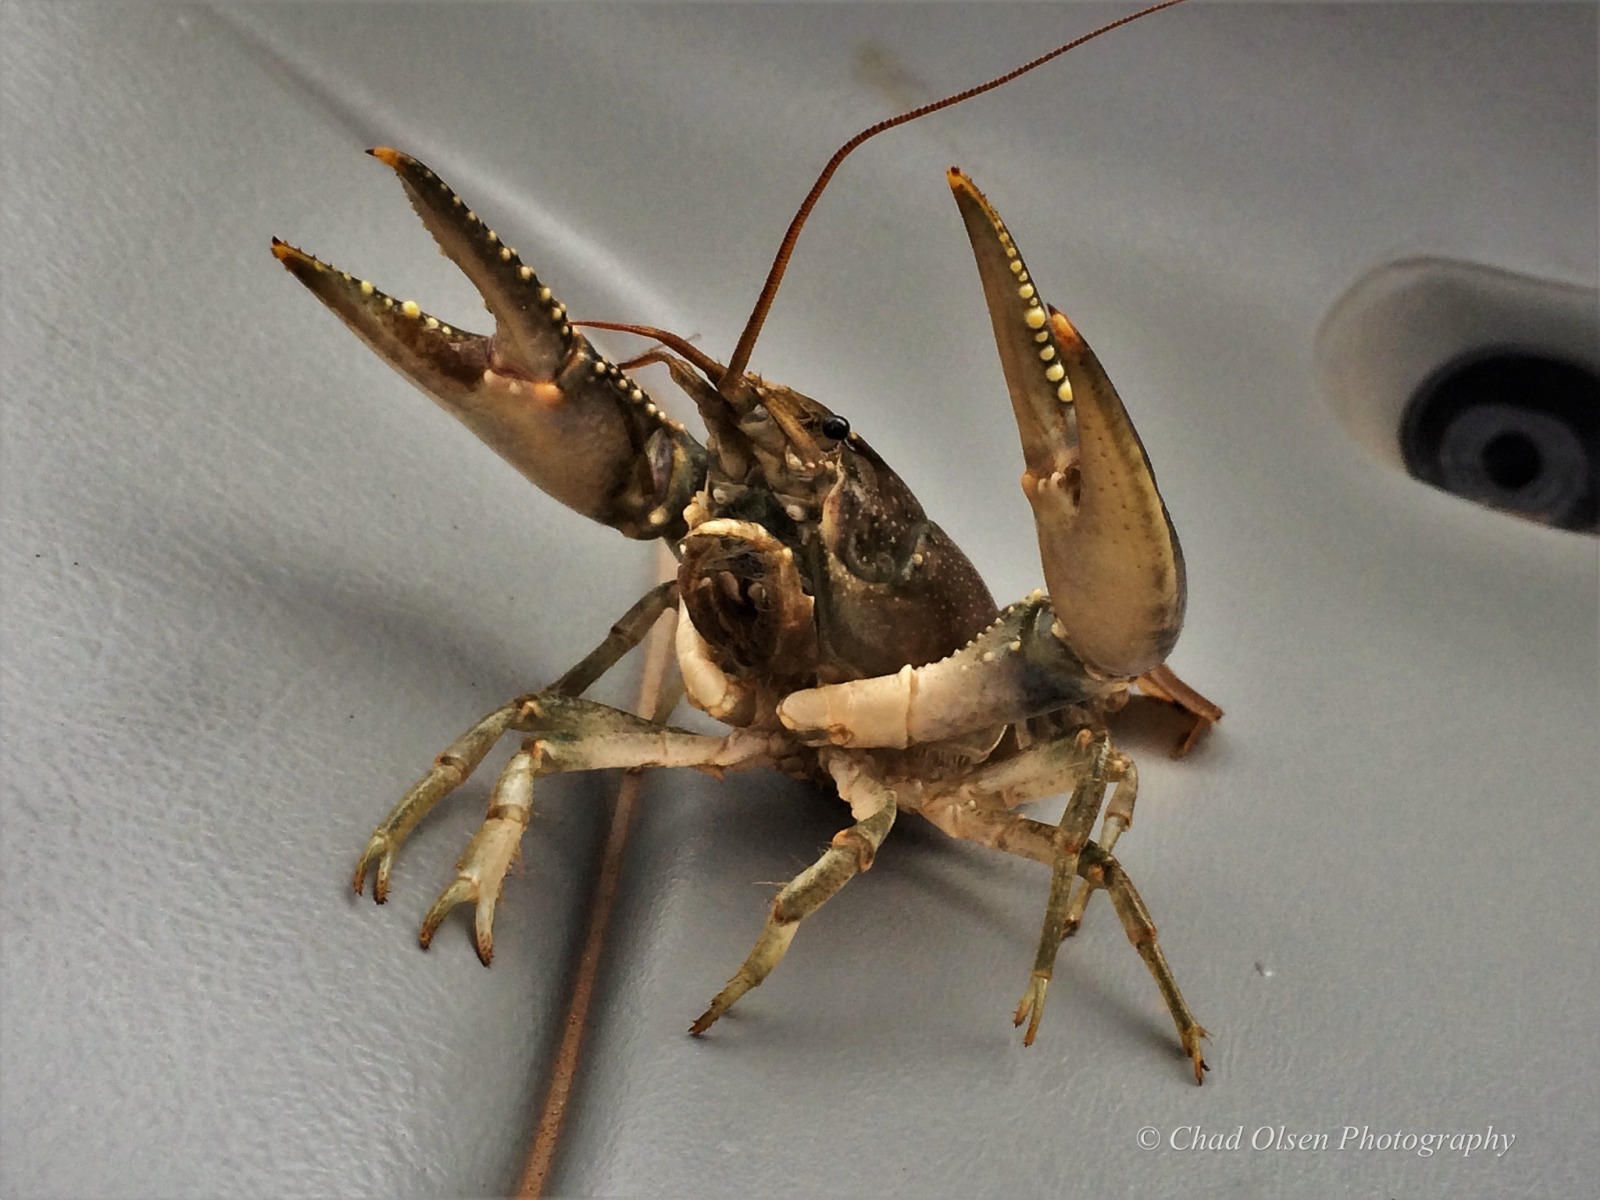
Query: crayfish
{"points": [[822, 615]]}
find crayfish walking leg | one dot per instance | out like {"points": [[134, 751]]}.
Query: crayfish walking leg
{"points": [[452, 768], [1076, 822], [1118, 818], [566, 734], [569, 734], [983, 819], [850, 853]]}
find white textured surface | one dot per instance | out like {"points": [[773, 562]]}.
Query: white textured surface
{"points": [[252, 582]]}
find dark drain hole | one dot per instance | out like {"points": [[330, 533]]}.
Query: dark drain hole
{"points": [[1512, 460], [1513, 430]]}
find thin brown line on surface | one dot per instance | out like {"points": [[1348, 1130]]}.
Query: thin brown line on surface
{"points": [[563, 1073]]}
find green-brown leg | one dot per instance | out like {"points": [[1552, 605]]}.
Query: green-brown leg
{"points": [[452, 768], [630, 629], [1101, 870], [850, 853], [977, 817], [1076, 823], [1119, 816], [570, 734]]}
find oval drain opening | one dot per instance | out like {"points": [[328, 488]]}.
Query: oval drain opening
{"points": [[1477, 381], [1514, 430]]}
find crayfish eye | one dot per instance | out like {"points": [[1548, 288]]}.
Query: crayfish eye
{"points": [[835, 427]]}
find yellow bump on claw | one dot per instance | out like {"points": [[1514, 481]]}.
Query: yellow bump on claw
{"points": [[1046, 353], [1034, 318], [1064, 392], [366, 288], [1026, 291], [526, 273], [410, 308], [1055, 372]]}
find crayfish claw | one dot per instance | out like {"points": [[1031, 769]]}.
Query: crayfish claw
{"points": [[535, 391], [440, 359], [1111, 560], [531, 328]]}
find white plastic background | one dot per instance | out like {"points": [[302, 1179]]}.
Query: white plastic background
{"points": [[252, 583]]}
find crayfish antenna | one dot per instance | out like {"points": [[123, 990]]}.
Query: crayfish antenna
{"points": [[780, 263]]}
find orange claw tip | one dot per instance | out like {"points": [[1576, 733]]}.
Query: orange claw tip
{"points": [[1064, 329], [388, 156], [295, 259]]}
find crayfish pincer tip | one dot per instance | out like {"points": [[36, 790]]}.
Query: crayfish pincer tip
{"points": [[388, 156]]}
